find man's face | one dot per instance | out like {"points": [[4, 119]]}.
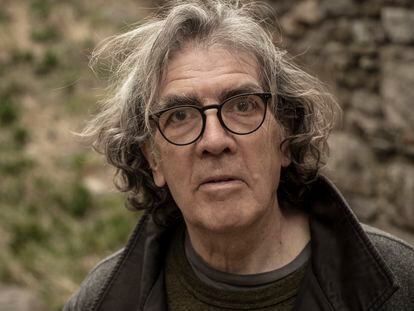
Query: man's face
{"points": [[223, 181]]}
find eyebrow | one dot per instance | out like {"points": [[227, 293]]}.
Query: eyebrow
{"points": [[246, 88], [193, 99], [179, 100]]}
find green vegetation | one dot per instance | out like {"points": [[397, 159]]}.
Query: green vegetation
{"points": [[80, 201], [21, 56], [48, 63], [41, 8], [20, 136], [53, 225], [4, 16], [15, 166], [45, 34], [8, 110]]}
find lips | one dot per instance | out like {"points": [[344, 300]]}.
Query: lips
{"points": [[219, 179]]}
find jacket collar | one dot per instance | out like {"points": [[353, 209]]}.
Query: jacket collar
{"points": [[346, 272], [137, 279]]}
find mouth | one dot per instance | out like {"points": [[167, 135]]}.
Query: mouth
{"points": [[219, 180]]}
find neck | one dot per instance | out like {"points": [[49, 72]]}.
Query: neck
{"points": [[266, 245]]}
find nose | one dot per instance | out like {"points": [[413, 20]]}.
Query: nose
{"points": [[215, 139]]}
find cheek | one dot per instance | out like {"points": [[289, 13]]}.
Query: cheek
{"points": [[163, 159], [175, 165], [267, 159]]}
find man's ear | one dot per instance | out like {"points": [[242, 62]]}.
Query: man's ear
{"points": [[285, 154], [154, 163], [285, 161]]}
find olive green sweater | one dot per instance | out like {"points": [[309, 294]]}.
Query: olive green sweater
{"points": [[186, 292]]}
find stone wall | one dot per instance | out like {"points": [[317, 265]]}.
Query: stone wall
{"points": [[364, 51]]}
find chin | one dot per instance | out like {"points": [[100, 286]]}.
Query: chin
{"points": [[227, 221]]}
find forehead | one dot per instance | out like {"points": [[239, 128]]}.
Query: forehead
{"points": [[208, 72]]}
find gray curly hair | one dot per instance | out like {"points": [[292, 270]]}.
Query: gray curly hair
{"points": [[138, 59]]}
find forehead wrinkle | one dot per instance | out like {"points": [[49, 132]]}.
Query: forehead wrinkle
{"points": [[245, 61], [194, 76]]}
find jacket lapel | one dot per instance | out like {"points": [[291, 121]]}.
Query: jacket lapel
{"points": [[157, 300], [137, 272], [310, 296], [346, 271]]}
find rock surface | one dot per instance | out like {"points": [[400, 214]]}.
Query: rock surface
{"points": [[365, 51], [398, 24], [399, 190], [397, 87]]}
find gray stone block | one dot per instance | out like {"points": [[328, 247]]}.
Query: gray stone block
{"points": [[397, 89], [398, 24]]}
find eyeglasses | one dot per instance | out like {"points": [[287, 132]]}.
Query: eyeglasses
{"points": [[241, 114]]}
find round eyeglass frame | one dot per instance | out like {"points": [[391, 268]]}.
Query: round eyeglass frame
{"points": [[264, 96]]}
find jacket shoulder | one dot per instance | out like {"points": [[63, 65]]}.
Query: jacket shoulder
{"points": [[89, 290], [399, 257], [375, 233], [398, 254], [393, 249]]}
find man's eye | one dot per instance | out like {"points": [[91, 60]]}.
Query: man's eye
{"points": [[244, 106], [179, 116]]}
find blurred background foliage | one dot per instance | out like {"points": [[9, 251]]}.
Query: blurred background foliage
{"points": [[59, 213]]}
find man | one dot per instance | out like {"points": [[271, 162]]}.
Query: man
{"points": [[220, 139]]}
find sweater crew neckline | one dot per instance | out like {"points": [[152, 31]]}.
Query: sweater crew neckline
{"points": [[231, 281]]}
